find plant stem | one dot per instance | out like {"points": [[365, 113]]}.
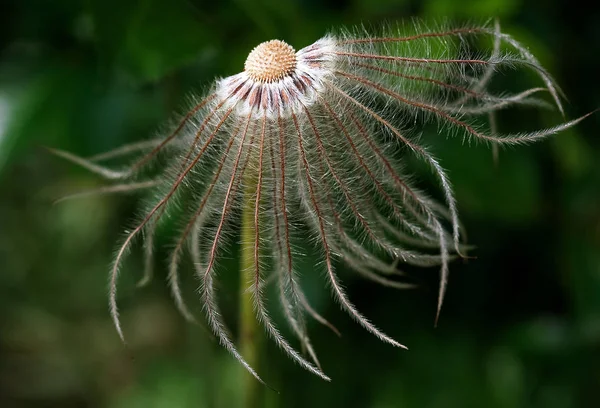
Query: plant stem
{"points": [[250, 332]]}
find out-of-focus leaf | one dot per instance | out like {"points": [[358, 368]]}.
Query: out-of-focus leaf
{"points": [[37, 109], [472, 8], [6, 144], [507, 191], [165, 385], [572, 153], [148, 39]]}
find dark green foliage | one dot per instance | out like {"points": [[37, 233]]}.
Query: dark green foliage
{"points": [[521, 323]]}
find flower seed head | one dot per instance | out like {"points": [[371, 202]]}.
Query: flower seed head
{"points": [[313, 144], [271, 61], [277, 81]]}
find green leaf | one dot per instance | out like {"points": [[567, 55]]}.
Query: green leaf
{"points": [[150, 38]]}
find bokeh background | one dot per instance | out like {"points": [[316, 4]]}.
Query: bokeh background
{"points": [[521, 324]]}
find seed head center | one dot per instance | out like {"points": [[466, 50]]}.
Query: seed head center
{"points": [[270, 61]]}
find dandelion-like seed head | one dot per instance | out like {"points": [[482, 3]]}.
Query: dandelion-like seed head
{"points": [[270, 61], [308, 148]]}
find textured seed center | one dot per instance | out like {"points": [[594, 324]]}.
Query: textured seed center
{"points": [[270, 61]]}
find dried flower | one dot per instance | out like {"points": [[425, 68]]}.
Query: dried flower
{"points": [[315, 140]]}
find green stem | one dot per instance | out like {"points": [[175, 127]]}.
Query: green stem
{"points": [[250, 342]]}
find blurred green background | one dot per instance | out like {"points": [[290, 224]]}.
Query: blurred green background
{"points": [[521, 324]]}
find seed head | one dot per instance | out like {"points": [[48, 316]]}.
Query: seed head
{"points": [[315, 140], [270, 61]]}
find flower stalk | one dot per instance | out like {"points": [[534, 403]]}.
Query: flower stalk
{"points": [[249, 328]]}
